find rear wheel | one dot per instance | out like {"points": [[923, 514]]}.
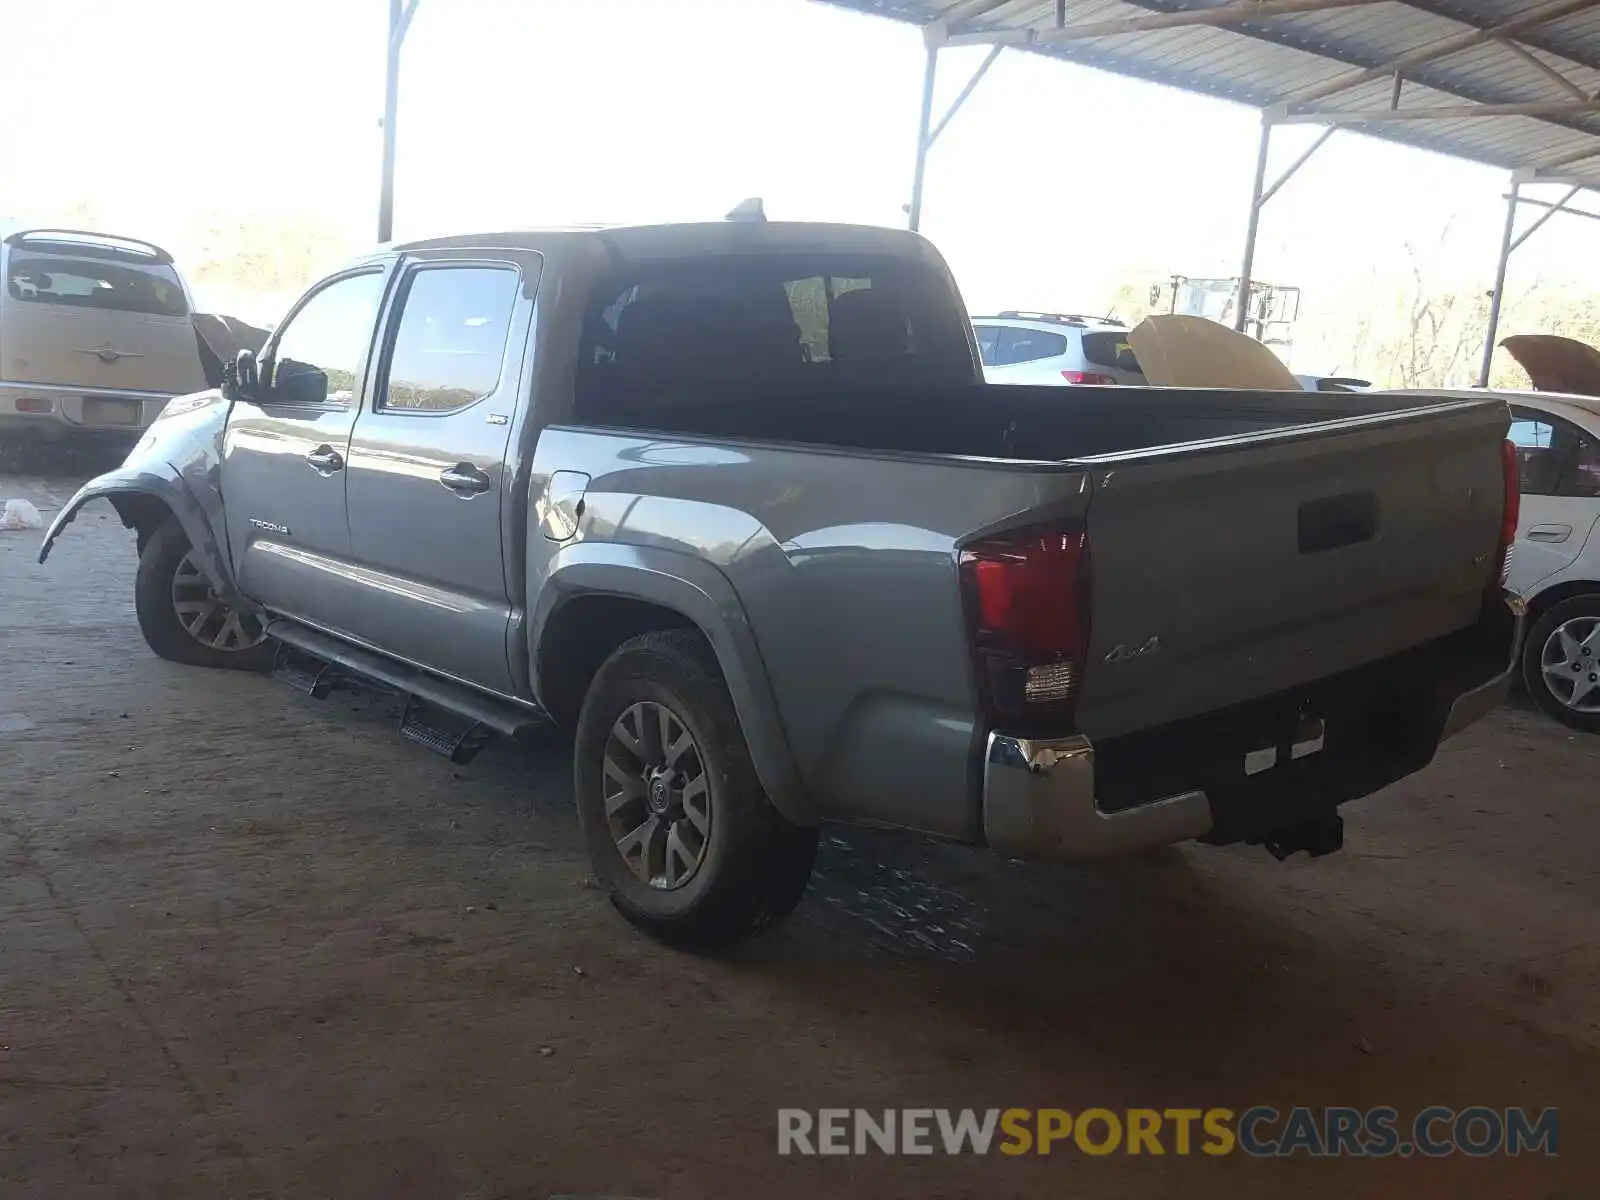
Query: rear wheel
{"points": [[181, 615], [1561, 662], [677, 826]]}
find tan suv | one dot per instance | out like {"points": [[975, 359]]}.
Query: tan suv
{"points": [[96, 334]]}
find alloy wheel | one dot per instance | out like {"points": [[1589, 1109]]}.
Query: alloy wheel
{"points": [[1570, 662], [657, 795], [205, 617]]}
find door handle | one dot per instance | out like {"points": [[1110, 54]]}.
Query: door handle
{"points": [[326, 459], [465, 480], [1549, 533]]}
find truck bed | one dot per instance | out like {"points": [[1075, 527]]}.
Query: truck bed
{"points": [[1031, 423], [1255, 541]]}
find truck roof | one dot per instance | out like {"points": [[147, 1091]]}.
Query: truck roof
{"points": [[695, 238]]}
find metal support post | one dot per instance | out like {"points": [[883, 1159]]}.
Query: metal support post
{"points": [[1242, 307], [928, 132], [1551, 210], [924, 124], [1288, 174], [1506, 246], [400, 14]]}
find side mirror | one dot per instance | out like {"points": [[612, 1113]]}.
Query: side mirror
{"points": [[241, 378], [298, 383]]}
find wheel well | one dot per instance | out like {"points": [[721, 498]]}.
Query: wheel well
{"points": [[1545, 601], [141, 512], [581, 635]]}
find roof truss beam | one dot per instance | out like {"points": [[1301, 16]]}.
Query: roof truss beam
{"points": [[1550, 210], [1436, 112], [1536, 38], [1562, 160], [1423, 76], [1542, 14], [1555, 76], [1232, 13]]}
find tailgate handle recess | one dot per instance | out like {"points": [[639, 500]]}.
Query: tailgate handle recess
{"points": [[1334, 521]]}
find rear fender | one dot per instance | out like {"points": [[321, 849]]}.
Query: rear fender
{"points": [[698, 591], [178, 464]]}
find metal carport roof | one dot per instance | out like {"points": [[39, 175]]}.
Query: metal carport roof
{"points": [[1508, 83]]}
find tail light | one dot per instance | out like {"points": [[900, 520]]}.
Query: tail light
{"points": [[1027, 596], [1087, 377], [34, 404], [1510, 513]]}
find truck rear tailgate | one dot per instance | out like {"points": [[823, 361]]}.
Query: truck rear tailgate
{"points": [[1237, 568]]}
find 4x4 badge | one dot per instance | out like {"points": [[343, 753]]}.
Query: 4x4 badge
{"points": [[1122, 654]]}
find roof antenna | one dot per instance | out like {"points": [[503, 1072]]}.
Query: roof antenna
{"points": [[748, 210]]}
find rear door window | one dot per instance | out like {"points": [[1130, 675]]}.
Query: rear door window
{"points": [[1554, 457], [1110, 350], [1582, 478], [706, 326], [88, 283], [1533, 436], [1027, 345]]}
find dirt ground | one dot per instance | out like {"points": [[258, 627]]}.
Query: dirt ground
{"points": [[253, 944]]}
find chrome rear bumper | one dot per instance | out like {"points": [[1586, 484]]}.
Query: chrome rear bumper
{"points": [[68, 410], [1039, 793], [1038, 802]]}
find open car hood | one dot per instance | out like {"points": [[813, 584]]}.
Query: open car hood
{"points": [[1556, 364], [221, 339], [1176, 350]]}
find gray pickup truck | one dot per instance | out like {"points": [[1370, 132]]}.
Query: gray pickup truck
{"points": [[731, 504]]}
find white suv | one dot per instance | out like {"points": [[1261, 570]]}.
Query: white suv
{"points": [[1058, 349], [96, 333]]}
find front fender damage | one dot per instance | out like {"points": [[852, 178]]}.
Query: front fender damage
{"points": [[177, 465], [173, 493]]}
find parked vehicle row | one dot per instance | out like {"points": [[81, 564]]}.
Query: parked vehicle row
{"points": [[1055, 349], [1069, 349]]}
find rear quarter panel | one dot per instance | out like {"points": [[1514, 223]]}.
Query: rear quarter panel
{"points": [[845, 567]]}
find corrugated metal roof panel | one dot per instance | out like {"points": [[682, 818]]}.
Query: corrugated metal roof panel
{"points": [[1270, 59]]}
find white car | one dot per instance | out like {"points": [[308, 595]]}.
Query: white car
{"points": [[1055, 349], [1556, 563]]}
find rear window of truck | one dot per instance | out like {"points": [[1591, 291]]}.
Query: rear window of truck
{"points": [[91, 283], [719, 324], [1110, 350]]}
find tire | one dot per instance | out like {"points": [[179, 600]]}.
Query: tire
{"points": [[168, 580], [1566, 635], [750, 866]]}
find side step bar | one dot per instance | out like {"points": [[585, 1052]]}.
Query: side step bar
{"points": [[467, 705]]}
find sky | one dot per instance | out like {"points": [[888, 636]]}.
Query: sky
{"points": [[1052, 183]]}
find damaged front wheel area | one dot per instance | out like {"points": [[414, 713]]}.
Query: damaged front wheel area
{"points": [[182, 617]]}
